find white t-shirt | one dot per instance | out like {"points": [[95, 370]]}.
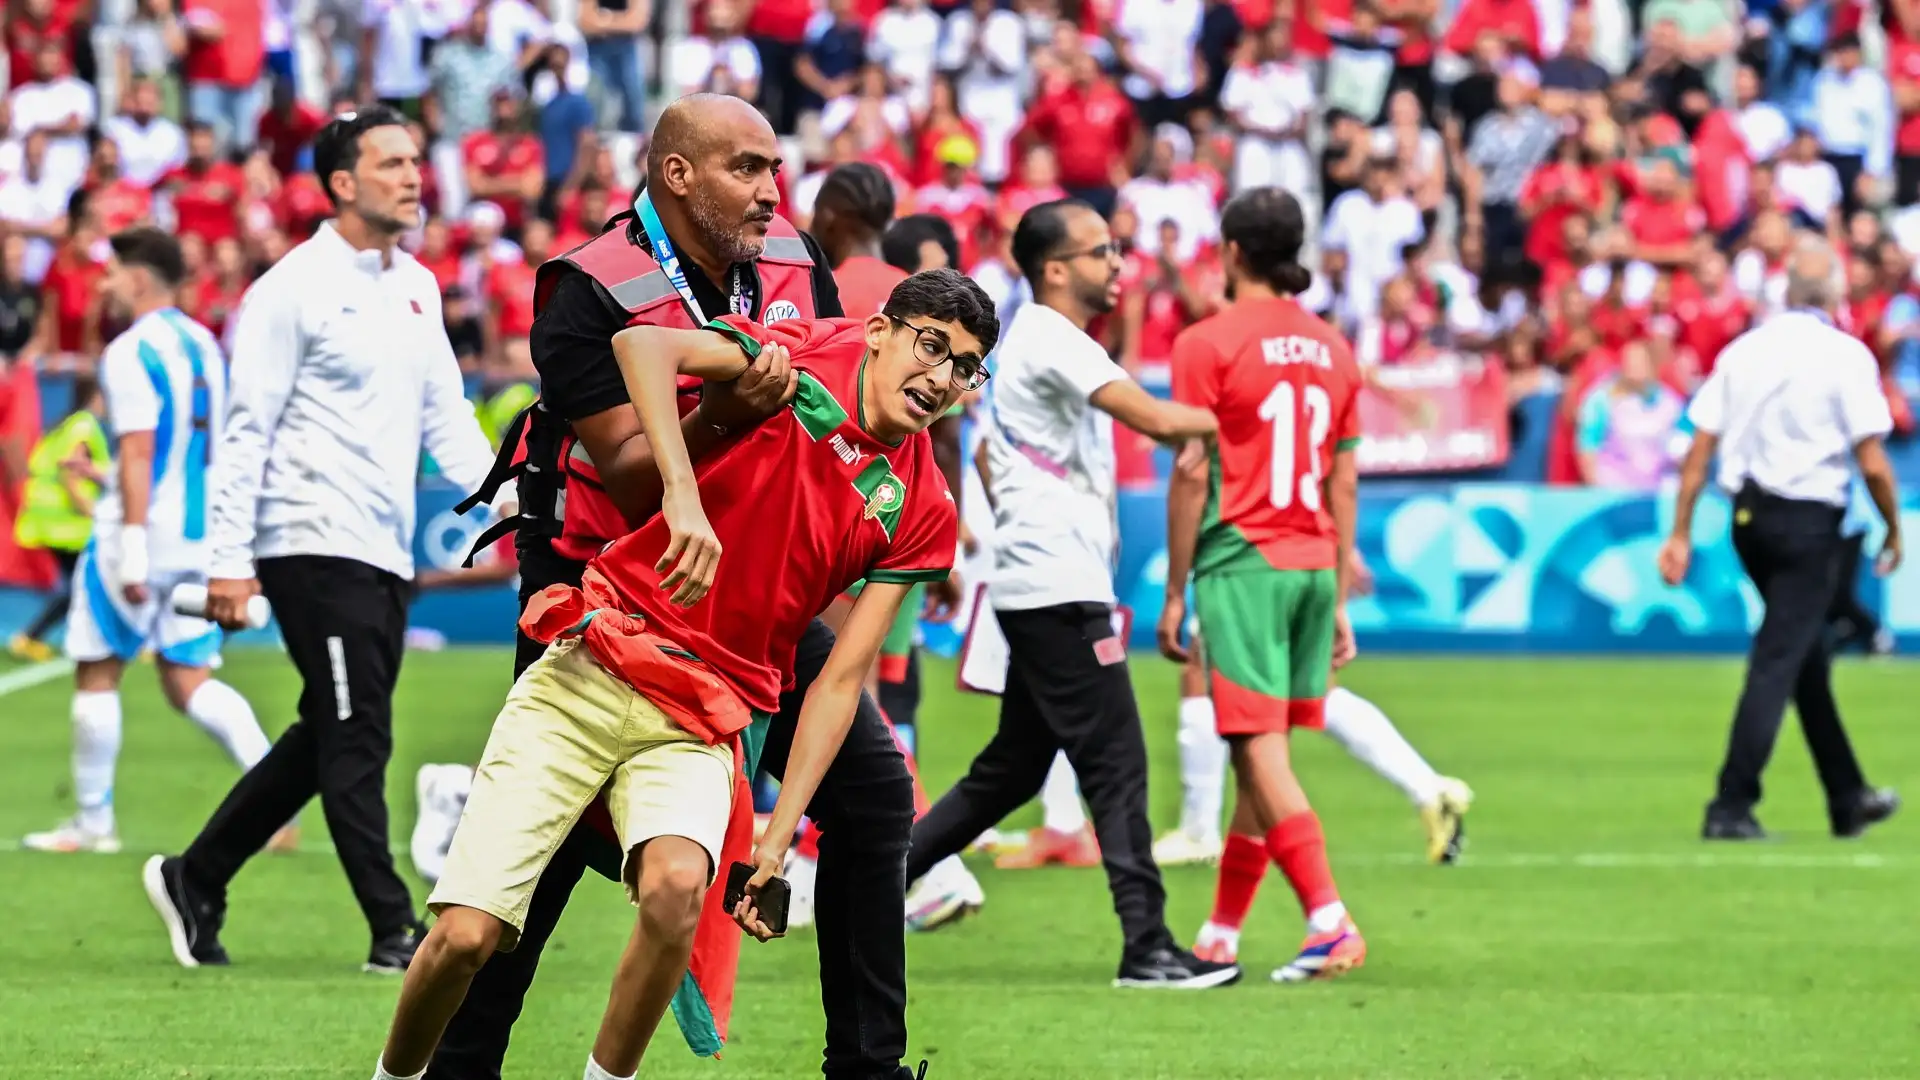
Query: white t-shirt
{"points": [[1812, 186], [1596, 278], [1163, 35], [1050, 455], [146, 153], [1790, 399], [38, 105], [1372, 236], [39, 204], [906, 43], [696, 60], [841, 110], [1273, 95], [1187, 203], [397, 25], [149, 375], [1764, 128]]}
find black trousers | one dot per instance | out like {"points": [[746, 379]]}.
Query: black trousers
{"points": [[865, 812], [1849, 167], [345, 626], [1791, 549], [1849, 620], [1063, 694], [55, 611]]}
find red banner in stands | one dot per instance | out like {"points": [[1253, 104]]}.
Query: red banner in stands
{"points": [[1438, 411]]}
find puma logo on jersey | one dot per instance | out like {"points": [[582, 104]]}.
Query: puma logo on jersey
{"points": [[1282, 351], [845, 451]]}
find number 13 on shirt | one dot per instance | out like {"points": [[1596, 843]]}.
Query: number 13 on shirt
{"points": [[1289, 410]]}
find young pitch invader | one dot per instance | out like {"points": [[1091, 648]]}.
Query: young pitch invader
{"points": [[165, 383], [1266, 535], [661, 674]]}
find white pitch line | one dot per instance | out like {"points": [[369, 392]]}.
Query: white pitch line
{"points": [[33, 675]]}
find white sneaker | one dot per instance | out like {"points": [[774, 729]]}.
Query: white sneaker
{"points": [[949, 892], [1182, 848], [800, 873], [440, 793], [69, 836]]}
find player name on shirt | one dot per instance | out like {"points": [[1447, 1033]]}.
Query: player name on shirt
{"points": [[1296, 350]]}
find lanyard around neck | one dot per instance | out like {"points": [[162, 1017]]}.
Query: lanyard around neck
{"points": [[661, 248]]}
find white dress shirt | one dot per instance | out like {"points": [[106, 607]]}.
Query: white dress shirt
{"points": [[1789, 400], [148, 151], [1853, 114], [1050, 456], [341, 375]]}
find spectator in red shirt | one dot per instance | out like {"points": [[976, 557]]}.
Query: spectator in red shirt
{"points": [[29, 23], [70, 293], [1663, 219], [1038, 183], [225, 56], [213, 295], [505, 165], [1091, 126], [941, 123], [117, 201], [509, 295], [584, 215], [288, 127], [301, 206], [206, 190], [1903, 73], [1515, 22], [1711, 313], [438, 254], [957, 196], [1564, 186], [777, 28]]}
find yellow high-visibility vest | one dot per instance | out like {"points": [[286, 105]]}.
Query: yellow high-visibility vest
{"points": [[48, 518]]}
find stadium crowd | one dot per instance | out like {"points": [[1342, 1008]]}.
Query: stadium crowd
{"points": [[1595, 195]]}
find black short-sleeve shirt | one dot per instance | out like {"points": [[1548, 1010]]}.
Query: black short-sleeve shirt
{"points": [[572, 340]]}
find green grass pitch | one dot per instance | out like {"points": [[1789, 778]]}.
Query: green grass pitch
{"points": [[1587, 935]]}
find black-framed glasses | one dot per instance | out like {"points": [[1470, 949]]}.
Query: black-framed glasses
{"points": [[1103, 252], [932, 349]]}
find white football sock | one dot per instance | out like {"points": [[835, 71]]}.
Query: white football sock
{"points": [[96, 747], [1327, 918], [1203, 764], [1358, 725], [380, 1073], [224, 714], [1060, 798], [596, 1072]]}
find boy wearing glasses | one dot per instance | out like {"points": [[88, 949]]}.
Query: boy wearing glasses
{"points": [[1049, 470], [666, 663]]}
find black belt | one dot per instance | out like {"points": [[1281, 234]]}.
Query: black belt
{"points": [[1753, 501]]}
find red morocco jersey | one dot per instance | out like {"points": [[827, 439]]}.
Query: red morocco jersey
{"points": [[1286, 390], [804, 505]]}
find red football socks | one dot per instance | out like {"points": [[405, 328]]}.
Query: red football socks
{"points": [[1243, 862], [1299, 849]]}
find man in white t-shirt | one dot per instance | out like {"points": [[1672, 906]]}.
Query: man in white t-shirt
{"points": [[986, 45], [1049, 472], [34, 205], [1365, 233], [905, 39], [1159, 43], [60, 105], [720, 61], [1792, 405], [151, 146], [1156, 197]]}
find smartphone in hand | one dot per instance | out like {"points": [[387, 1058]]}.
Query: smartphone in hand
{"points": [[770, 901]]}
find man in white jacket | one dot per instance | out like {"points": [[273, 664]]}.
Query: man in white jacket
{"points": [[342, 375]]}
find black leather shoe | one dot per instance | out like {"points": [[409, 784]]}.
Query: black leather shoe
{"points": [[1722, 826], [391, 954], [1867, 807]]}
